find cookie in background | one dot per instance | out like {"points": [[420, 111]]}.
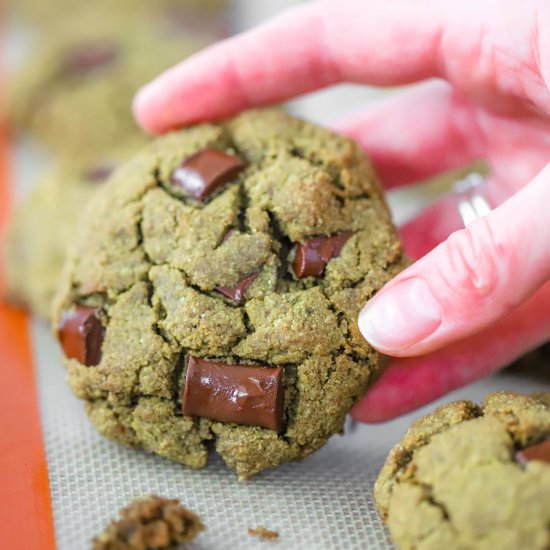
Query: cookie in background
{"points": [[206, 16], [75, 91], [472, 477], [43, 224]]}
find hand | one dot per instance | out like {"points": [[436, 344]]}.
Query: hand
{"points": [[482, 297]]}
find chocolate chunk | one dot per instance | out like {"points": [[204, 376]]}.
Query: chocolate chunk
{"points": [[81, 335], [540, 452], [87, 57], [244, 394], [99, 173], [314, 253], [236, 293], [204, 172]]}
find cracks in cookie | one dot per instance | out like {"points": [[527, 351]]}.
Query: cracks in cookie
{"points": [[240, 223], [340, 200], [350, 284], [95, 299], [281, 247], [141, 240], [244, 201], [333, 171], [431, 500], [123, 427], [360, 359], [177, 381], [160, 311], [340, 315], [226, 234], [298, 153], [512, 423], [247, 323], [292, 395], [156, 176]]}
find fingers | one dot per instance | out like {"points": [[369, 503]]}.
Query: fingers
{"points": [[369, 41], [415, 381], [304, 49], [416, 134], [469, 281]]}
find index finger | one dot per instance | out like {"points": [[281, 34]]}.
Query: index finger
{"points": [[369, 41]]}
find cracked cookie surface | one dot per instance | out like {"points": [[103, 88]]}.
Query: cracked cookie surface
{"points": [[158, 268], [460, 479]]}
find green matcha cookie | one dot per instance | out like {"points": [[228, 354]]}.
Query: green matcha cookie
{"points": [[469, 477], [211, 297], [43, 224], [75, 92]]}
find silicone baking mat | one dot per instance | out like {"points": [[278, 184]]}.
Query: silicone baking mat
{"points": [[324, 502]]}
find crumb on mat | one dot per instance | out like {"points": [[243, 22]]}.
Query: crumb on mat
{"points": [[149, 523], [263, 533]]}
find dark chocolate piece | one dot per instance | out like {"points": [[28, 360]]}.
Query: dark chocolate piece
{"points": [[204, 172], [81, 335], [540, 451], [314, 253], [244, 394], [87, 57], [99, 173], [236, 293]]}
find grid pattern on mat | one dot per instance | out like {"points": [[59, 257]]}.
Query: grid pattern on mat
{"points": [[324, 502]]}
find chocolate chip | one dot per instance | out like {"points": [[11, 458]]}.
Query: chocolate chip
{"points": [[81, 334], [540, 452], [314, 253], [244, 394], [236, 293], [87, 57], [204, 172], [99, 173]]}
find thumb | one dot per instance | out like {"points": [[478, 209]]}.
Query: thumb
{"points": [[469, 281]]}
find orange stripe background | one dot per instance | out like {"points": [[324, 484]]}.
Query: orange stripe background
{"points": [[25, 503]]}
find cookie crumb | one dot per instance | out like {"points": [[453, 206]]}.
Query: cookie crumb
{"points": [[263, 533], [150, 522]]}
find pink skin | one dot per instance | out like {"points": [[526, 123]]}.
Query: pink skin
{"points": [[481, 297]]}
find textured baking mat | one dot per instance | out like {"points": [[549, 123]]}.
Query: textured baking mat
{"points": [[324, 502]]}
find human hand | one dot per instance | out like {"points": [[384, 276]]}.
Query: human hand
{"points": [[482, 297]]}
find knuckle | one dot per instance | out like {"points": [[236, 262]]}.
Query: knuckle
{"points": [[471, 261]]}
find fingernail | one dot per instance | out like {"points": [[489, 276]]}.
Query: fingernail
{"points": [[401, 316]]}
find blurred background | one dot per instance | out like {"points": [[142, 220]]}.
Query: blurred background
{"points": [[73, 68]]}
